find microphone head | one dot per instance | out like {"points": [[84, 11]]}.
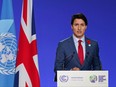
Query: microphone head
{"points": [[73, 52]]}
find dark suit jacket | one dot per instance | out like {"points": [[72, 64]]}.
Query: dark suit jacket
{"points": [[67, 58]]}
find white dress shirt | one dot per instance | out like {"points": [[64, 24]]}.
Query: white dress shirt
{"points": [[82, 43]]}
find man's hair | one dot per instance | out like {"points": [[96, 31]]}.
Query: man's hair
{"points": [[79, 16]]}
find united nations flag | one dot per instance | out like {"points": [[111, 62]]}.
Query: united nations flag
{"points": [[8, 45]]}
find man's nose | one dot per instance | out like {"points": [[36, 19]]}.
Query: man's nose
{"points": [[79, 27]]}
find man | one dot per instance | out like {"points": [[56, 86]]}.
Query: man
{"points": [[77, 52]]}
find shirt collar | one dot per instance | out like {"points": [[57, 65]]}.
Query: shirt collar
{"points": [[77, 39]]}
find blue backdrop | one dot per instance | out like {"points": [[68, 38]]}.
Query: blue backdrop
{"points": [[52, 18]]}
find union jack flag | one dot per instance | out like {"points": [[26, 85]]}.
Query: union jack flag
{"points": [[27, 71]]}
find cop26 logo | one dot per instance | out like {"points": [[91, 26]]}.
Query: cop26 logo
{"points": [[99, 78], [93, 78], [8, 49]]}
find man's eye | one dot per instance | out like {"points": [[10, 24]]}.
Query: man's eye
{"points": [[82, 24], [76, 24]]}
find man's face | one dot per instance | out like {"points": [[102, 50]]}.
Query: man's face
{"points": [[79, 28]]}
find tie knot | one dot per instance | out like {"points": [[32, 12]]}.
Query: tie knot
{"points": [[79, 41]]}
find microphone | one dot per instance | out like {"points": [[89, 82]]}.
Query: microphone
{"points": [[68, 59]]}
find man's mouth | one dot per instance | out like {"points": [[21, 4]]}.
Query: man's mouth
{"points": [[79, 31]]}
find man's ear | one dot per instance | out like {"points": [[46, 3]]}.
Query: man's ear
{"points": [[86, 27]]}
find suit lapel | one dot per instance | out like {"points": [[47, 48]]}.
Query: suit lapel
{"points": [[87, 47], [73, 48]]}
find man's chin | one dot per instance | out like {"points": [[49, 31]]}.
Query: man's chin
{"points": [[79, 36]]}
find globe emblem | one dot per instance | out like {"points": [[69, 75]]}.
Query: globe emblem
{"points": [[63, 78], [8, 49], [93, 78]]}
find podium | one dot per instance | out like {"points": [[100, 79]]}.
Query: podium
{"points": [[82, 78]]}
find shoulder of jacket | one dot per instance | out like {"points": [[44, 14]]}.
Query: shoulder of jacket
{"points": [[66, 40], [93, 41]]}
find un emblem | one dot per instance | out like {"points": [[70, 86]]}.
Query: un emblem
{"points": [[63, 78], [8, 49]]}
